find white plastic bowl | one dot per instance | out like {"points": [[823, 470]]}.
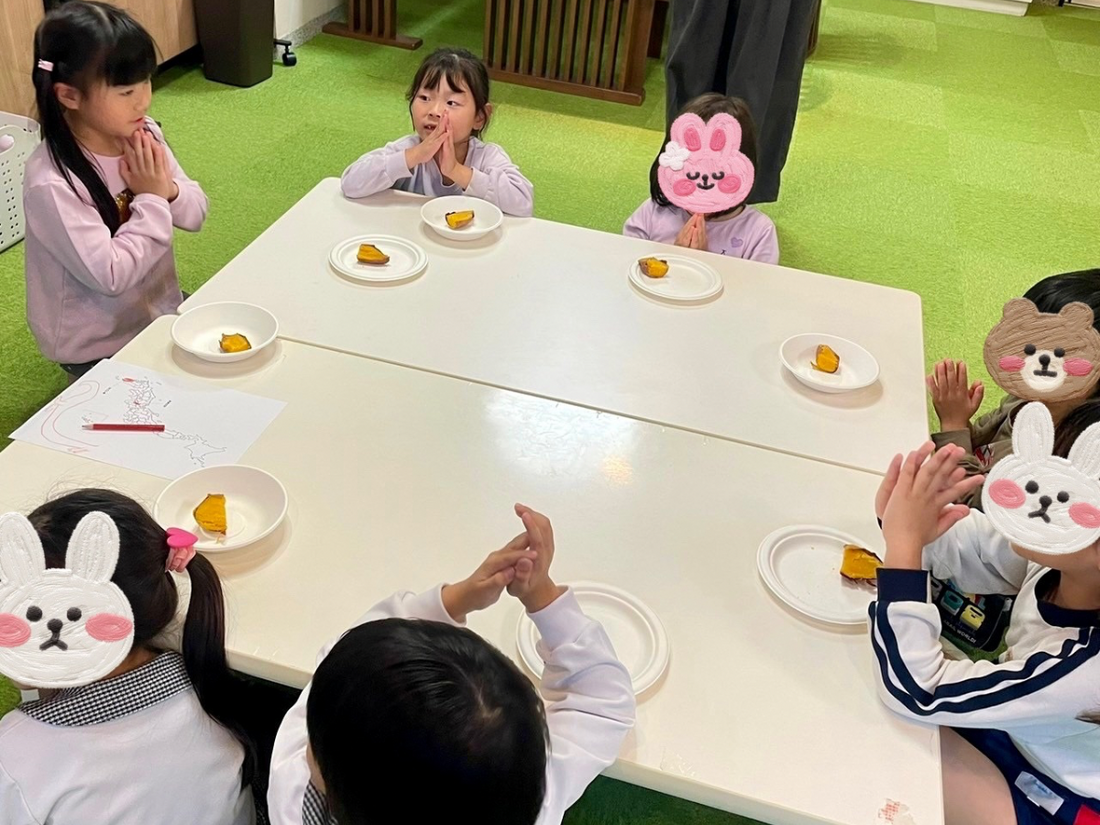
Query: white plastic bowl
{"points": [[487, 217], [199, 331], [255, 504], [858, 368]]}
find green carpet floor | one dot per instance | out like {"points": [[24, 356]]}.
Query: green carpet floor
{"points": [[953, 153]]}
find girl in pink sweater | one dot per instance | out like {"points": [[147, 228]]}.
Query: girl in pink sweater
{"points": [[102, 192]]}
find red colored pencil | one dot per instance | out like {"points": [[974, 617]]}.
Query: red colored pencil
{"points": [[126, 428]]}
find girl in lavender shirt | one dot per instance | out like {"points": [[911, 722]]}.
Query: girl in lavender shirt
{"points": [[450, 108], [741, 232], [102, 192]]}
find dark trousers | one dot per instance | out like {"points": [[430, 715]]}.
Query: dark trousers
{"points": [[752, 49]]}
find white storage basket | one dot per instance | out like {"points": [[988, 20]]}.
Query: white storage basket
{"points": [[18, 137]]}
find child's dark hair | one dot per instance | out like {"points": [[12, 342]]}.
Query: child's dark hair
{"points": [[456, 67], [87, 43], [1075, 423], [707, 106], [1053, 293], [397, 699], [140, 574]]}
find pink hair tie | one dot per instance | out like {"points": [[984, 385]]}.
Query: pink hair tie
{"points": [[45, 65], [181, 549]]}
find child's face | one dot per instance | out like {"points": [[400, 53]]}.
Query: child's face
{"points": [[113, 111], [429, 105]]}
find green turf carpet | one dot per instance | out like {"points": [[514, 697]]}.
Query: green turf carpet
{"points": [[953, 153]]}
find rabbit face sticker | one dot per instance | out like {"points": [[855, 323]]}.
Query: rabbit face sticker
{"points": [[1041, 356], [61, 627], [1041, 502], [702, 168]]}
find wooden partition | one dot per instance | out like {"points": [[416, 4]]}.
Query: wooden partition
{"points": [[374, 21], [595, 48]]}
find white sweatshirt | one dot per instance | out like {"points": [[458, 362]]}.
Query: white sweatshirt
{"points": [[588, 718], [1048, 676], [134, 750], [495, 178]]}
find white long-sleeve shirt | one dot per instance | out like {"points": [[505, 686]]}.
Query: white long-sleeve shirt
{"points": [[590, 708], [134, 750], [88, 293], [495, 178], [1048, 676]]}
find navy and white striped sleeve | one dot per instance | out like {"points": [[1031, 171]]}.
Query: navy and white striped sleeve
{"points": [[916, 680]]}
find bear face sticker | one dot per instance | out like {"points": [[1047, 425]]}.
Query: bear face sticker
{"points": [[1040, 356]]}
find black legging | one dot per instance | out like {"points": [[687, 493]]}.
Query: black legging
{"points": [[752, 49]]}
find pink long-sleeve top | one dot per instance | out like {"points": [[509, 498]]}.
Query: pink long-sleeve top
{"points": [[89, 294]]}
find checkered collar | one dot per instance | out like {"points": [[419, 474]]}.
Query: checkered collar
{"points": [[315, 808], [111, 699]]}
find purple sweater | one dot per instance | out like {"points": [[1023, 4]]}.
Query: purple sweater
{"points": [[495, 179], [89, 294], [750, 235]]}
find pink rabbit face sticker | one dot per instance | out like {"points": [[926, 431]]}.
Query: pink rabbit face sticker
{"points": [[702, 168], [61, 627], [1042, 502]]}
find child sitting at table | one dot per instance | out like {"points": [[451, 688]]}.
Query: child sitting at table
{"points": [[450, 109], [741, 232], [956, 400], [96, 599], [409, 698], [102, 192], [1021, 735]]}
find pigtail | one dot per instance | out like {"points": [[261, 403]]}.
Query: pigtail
{"points": [[204, 656], [65, 151]]}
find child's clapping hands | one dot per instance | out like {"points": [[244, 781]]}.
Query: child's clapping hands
{"points": [[915, 499], [522, 567]]}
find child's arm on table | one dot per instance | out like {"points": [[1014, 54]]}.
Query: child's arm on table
{"points": [[380, 169], [495, 179], [590, 699]]}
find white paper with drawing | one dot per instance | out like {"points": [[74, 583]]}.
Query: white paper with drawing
{"points": [[203, 425]]}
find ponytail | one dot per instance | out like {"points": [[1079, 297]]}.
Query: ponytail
{"points": [[204, 656], [86, 43], [154, 599]]}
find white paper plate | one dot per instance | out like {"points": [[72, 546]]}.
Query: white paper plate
{"points": [[199, 331], [637, 634], [687, 280], [487, 217], [801, 566], [406, 259], [255, 504], [858, 368]]}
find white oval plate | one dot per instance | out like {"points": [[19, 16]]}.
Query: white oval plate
{"points": [[199, 331], [255, 504], [487, 217], [687, 279], [801, 566], [406, 259], [858, 368], [638, 636]]}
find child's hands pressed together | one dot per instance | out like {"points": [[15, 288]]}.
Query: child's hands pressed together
{"points": [[532, 584], [693, 234], [918, 494], [145, 169], [483, 587], [448, 157], [955, 400], [426, 150]]}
